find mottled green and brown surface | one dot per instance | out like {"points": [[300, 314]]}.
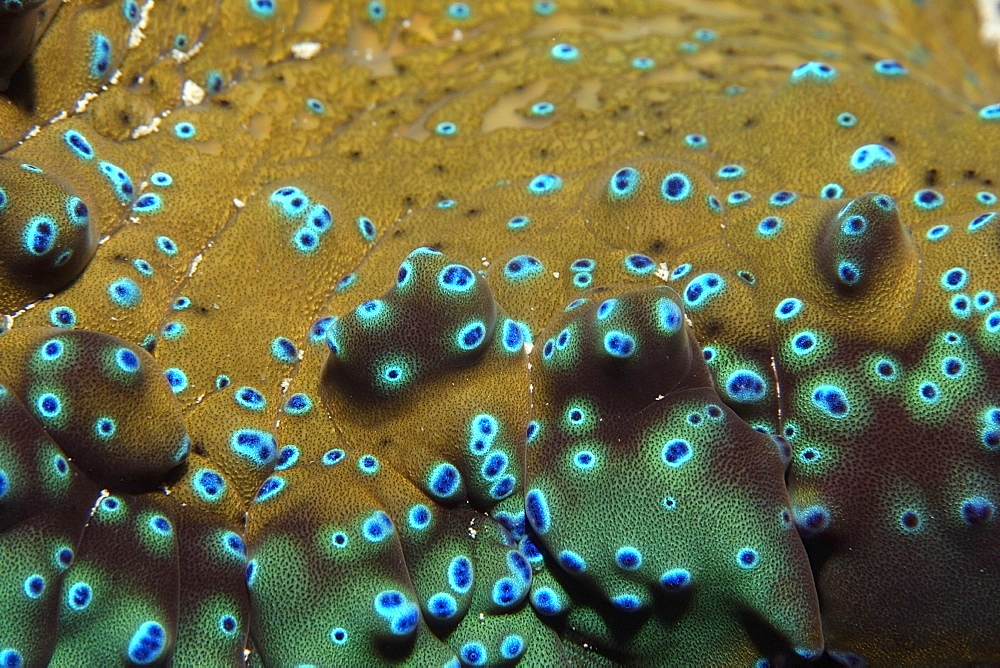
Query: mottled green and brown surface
{"points": [[351, 333]]}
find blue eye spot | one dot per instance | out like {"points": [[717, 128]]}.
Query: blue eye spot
{"points": [[782, 198], [446, 128], [745, 386], [889, 68], [259, 447], [747, 558], [803, 343], [954, 279], [62, 316], [124, 292], [928, 199], [619, 344], [702, 289], [937, 232], [263, 9], [977, 510], [284, 350], [639, 264], [542, 109], [676, 187], [270, 488], [854, 226], [48, 405], [100, 55], [831, 191], [185, 130], [367, 229], [419, 517], [788, 308], [78, 144], [456, 278], [910, 521], [584, 460], [643, 63], [78, 596], [738, 197], [444, 481], [40, 234], [871, 156], [544, 184], [846, 119], [460, 574], [696, 141], [522, 267], [731, 172], [518, 222], [34, 586], [104, 428], [147, 643], [315, 106], [368, 464], [572, 562], [676, 452], [288, 456], [298, 404], [675, 579], [628, 558], [537, 512], [250, 398], [848, 272], [459, 11], [565, 52], [209, 485], [813, 71], [623, 183], [831, 400], [471, 336], [769, 226], [376, 11]]}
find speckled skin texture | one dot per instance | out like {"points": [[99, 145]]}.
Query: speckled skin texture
{"points": [[363, 333]]}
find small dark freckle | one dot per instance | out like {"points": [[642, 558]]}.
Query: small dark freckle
{"points": [[355, 154], [203, 310], [656, 247], [199, 449], [401, 69], [392, 113], [645, 138], [124, 117], [437, 245], [398, 233], [472, 212], [408, 200], [729, 51], [987, 182], [890, 139], [969, 174], [930, 177], [440, 169], [713, 329], [603, 11], [543, 152], [750, 122], [279, 78], [120, 258], [224, 103], [706, 74]]}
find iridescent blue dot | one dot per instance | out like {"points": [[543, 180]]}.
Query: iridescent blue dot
{"points": [[565, 52]]}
